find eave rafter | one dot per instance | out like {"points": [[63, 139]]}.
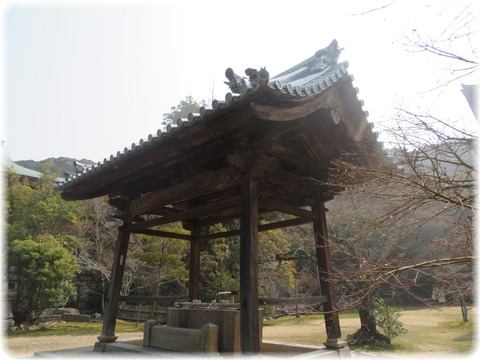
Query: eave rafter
{"points": [[295, 110], [290, 156], [185, 215]]}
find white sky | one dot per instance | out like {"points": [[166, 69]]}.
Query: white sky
{"points": [[86, 79]]}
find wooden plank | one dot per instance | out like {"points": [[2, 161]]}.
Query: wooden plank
{"points": [[289, 155], [199, 185], [249, 319], [140, 298], [283, 224], [264, 227], [164, 234], [287, 209], [289, 179], [208, 305], [308, 300], [186, 215]]}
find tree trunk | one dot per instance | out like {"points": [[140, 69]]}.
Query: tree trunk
{"points": [[463, 305], [368, 333]]}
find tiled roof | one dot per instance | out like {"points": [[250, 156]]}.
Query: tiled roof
{"points": [[307, 79], [7, 163]]}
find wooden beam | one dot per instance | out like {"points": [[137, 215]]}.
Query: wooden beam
{"points": [[332, 322], [295, 111], [157, 155], [113, 296], [194, 266], [289, 179], [249, 319], [287, 209], [289, 155], [186, 215], [140, 298], [308, 300], [201, 185], [197, 186], [264, 227], [224, 215], [164, 234], [283, 224]]}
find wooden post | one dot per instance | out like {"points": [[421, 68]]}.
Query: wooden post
{"points": [[111, 306], [194, 268], [249, 318], [332, 323]]}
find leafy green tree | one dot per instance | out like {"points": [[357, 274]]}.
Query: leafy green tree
{"points": [[276, 279], [157, 265], [45, 271], [185, 107], [40, 242], [219, 266], [35, 207]]}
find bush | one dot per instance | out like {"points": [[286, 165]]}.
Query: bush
{"points": [[45, 273], [386, 317]]}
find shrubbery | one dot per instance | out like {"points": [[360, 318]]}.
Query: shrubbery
{"points": [[387, 318]]}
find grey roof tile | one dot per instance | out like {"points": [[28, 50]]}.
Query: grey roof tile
{"points": [[308, 78]]}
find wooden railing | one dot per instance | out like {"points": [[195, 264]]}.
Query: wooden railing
{"points": [[153, 311]]}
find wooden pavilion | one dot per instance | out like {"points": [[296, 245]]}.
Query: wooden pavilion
{"points": [[267, 147]]}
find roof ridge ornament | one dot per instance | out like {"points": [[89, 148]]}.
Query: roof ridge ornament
{"points": [[257, 76], [326, 57], [314, 69], [238, 84], [235, 82]]}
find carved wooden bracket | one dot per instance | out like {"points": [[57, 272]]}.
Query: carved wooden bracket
{"points": [[258, 164]]}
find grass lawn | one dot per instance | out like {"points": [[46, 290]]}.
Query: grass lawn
{"points": [[430, 331], [77, 328]]}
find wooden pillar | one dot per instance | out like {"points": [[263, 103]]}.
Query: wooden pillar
{"points": [[249, 317], [332, 323], [111, 306], [194, 268]]}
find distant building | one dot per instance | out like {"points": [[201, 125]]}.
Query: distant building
{"points": [[8, 164], [471, 94]]}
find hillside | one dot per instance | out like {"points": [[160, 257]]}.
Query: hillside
{"points": [[56, 165]]}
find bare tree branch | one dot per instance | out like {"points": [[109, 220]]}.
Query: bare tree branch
{"points": [[373, 10]]}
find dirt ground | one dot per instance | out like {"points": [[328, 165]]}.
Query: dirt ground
{"points": [[25, 347]]}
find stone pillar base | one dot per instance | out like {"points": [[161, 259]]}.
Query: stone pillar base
{"points": [[335, 343], [103, 340], [107, 338], [99, 346]]}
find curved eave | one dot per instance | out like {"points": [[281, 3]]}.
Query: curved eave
{"points": [[314, 89], [311, 84], [136, 150]]}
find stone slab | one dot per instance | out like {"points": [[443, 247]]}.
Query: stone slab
{"points": [[204, 340], [227, 320], [76, 317], [49, 318]]}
